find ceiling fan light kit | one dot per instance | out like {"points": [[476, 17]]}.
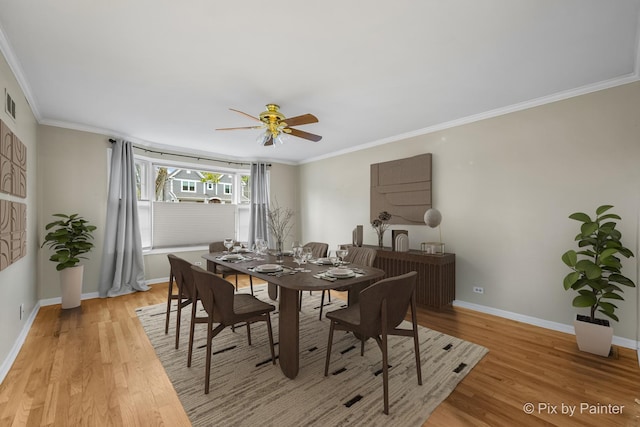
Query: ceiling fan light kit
{"points": [[277, 127]]}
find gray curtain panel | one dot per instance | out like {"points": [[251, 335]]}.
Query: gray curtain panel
{"points": [[259, 202], [122, 263]]}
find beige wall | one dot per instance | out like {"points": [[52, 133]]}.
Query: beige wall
{"points": [[73, 170], [505, 187], [18, 280]]}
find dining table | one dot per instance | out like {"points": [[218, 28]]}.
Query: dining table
{"points": [[289, 284]]}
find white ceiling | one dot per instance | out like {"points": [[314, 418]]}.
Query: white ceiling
{"points": [[164, 73]]}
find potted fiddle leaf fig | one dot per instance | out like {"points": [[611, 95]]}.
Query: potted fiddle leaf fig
{"points": [[69, 237], [597, 277]]}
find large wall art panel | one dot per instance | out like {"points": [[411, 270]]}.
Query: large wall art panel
{"points": [[402, 188]]}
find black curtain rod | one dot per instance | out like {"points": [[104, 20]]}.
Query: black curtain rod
{"points": [[229, 162]]}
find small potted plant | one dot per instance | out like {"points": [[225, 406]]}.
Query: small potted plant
{"points": [[70, 237], [596, 276]]}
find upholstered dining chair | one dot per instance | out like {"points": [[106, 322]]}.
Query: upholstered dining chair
{"points": [[380, 310], [226, 308], [222, 270], [181, 273], [318, 250], [357, 255]]}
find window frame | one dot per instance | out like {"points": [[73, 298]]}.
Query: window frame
{"points": [[149, 198]]}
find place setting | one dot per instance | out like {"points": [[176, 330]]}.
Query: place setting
{"points": [[273, 269]]}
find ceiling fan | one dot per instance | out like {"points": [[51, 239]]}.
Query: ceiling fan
{"points": [[276, 126]]}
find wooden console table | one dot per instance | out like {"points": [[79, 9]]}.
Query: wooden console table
{"points": [[436, 286]]}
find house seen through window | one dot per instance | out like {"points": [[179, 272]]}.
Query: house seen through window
{"points": [[183, 205]]}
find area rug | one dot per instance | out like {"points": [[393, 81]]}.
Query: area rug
{"points": [[248, 390]]}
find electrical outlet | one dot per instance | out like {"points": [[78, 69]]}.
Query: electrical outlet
{"points": [[21, 311], [478, 290], [198, 263]]}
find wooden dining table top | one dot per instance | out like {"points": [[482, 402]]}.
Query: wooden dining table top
{"points": [[301, 281]]}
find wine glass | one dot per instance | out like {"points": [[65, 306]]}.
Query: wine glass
{"points": [[228, 243], [298, 257], [307, 254], [342, 252], [261, 246]]}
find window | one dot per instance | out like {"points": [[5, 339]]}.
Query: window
{"points": [[179, 204], [188, 186]]}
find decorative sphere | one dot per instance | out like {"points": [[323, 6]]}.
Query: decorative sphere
{"points": [[432, 218]]}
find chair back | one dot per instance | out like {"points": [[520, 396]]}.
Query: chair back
{"points": [[361, 256], [216, 295], [217, 247], [318, 250], [397, 292], [181, 270]]}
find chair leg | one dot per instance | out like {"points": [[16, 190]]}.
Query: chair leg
{"points": [[169, 298], [249, 332], [251, 283], [194, 307], [321, 304], [178, 319], [270, 330], [385, 358], [416, 344], [236, 282], [207, 374], [326, 363]]}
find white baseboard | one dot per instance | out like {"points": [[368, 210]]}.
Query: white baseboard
{"points": [[17, 345], [58, 300], [555, 326]]}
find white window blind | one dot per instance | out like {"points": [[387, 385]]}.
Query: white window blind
{"points": [[188, 224]]}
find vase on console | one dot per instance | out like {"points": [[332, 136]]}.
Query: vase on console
{"points": [[380, 224]]}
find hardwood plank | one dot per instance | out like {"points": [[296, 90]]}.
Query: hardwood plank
{"points": [[96, 366]]}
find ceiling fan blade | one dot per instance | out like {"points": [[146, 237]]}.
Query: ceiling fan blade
{"points": [[245, 114], [301, 120], [305, 135], [269, 141], [243, 127]]}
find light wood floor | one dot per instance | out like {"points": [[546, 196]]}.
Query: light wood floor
{"points": [[94, 366]]}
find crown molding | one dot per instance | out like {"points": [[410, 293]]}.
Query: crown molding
{"points": [[16, 68], [559, 96]]}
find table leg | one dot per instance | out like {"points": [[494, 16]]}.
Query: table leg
{"points": [[272, 290], [289, 346]]}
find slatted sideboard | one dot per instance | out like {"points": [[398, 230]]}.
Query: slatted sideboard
{"points": [[436, 287]]}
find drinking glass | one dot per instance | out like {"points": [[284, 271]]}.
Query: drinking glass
{"points": [[342, 252], [298, 257], [261, 245], [307, 254], [228, 243]]}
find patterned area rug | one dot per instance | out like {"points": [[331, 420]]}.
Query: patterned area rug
{"points": [[247, 390]]}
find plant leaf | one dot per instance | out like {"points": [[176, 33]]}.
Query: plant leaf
{"points": [[570, 258], [584, 301], [602, 209], [579, 216], [570, 279]]}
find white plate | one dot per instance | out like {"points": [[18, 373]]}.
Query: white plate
{"points": [[232, 257], [325, 261], [341, 273], [268, 268]]}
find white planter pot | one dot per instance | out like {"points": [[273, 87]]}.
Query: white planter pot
{"points": [[593, 338], [71, 286]]}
